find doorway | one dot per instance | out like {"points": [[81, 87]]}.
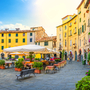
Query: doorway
{"points": [[75, 55]]}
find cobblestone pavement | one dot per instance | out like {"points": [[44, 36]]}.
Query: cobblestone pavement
{"points": [[64, 79]]}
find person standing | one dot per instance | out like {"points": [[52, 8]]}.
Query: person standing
{"points": [[70, 57]]}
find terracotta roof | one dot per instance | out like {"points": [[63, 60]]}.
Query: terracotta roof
{"points": [[20, 31], [80, 4], [54, 38]]}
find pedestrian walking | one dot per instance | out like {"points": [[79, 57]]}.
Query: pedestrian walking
{"points": [[70, 57]]}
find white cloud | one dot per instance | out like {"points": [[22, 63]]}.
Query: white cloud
{"points": [[50, 12], [0, 22], [13, 26]]}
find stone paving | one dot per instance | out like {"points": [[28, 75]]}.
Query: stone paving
{"points": [[64, 79]]}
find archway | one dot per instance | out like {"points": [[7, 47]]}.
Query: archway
{"points": [[75, 55]]}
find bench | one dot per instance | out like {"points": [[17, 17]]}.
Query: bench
{"points": [[25, 72]]}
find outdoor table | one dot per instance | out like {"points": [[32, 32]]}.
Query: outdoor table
{"points": [[49, 68], [28, 65], [8, 64]]}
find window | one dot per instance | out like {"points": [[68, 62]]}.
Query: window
{"points": [[33, 29], [65, 34], [75, 20], [60, 29], [70, 32], [60, 36], [65, 43], [70, 24], [23, 40], [35, 43], [80, 31], [30, 34], [84, 40], [82, 28], [80, 19], [59, 43], [16, 40], [9, 35], [84, 14], [2, 41], [70, 17], [70, 42], [45, 43], [30, 39], [9, 40], [75, 41], [23, 34], [2, 35], [2, 47], [65, 27], [85, 26], [16, 34], [75, 30], [88, 22], [38, 43]]}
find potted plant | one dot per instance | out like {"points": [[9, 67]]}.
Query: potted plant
{"points": [[57, 60], [88, 73], [19, 65], [38, 66], [2, 63], [88, 58], [83, 84]]}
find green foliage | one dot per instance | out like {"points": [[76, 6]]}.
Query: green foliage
{"points": [[19, 64], [38, 65], [63, 54], [2, 62], [13, 57], [29, 56], [85, 55], [88, 73], [57, 60], [37, 59], [89, 33], [21, 59], [83, 84], [88, 56]]}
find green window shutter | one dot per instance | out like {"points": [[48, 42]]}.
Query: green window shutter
{"points": [[2, 47], [9, 40], [82, 28], [45, 43], [16, 40], [23, 39], [78, 32]]}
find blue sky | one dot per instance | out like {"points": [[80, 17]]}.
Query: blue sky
{"points": [[24, 14]]}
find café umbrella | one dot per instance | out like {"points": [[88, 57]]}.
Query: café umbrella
{"points": [[26, 48]]}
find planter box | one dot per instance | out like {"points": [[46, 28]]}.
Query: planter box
{"points": [[16, 69], [2, 67], [37, 71], [19, 69], [77, 60]]}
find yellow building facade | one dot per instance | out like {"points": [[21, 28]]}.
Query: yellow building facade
{"points": [[75, 29]]}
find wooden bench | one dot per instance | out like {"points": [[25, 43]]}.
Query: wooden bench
{"points": [[25, 72]]}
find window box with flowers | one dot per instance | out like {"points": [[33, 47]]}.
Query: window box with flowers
{"points": [[87, 11]]}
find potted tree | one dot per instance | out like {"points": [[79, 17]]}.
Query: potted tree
{"points": [[2, 63], [38, 66], [19, 65]]}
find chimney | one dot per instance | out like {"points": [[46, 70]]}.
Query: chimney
{"points": [[6, 29], [17, 29]]}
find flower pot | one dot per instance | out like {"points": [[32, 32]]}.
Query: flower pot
{"points": [[16, 69], [19, 69], [77, 60], [37, 71], [2, 67]]}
